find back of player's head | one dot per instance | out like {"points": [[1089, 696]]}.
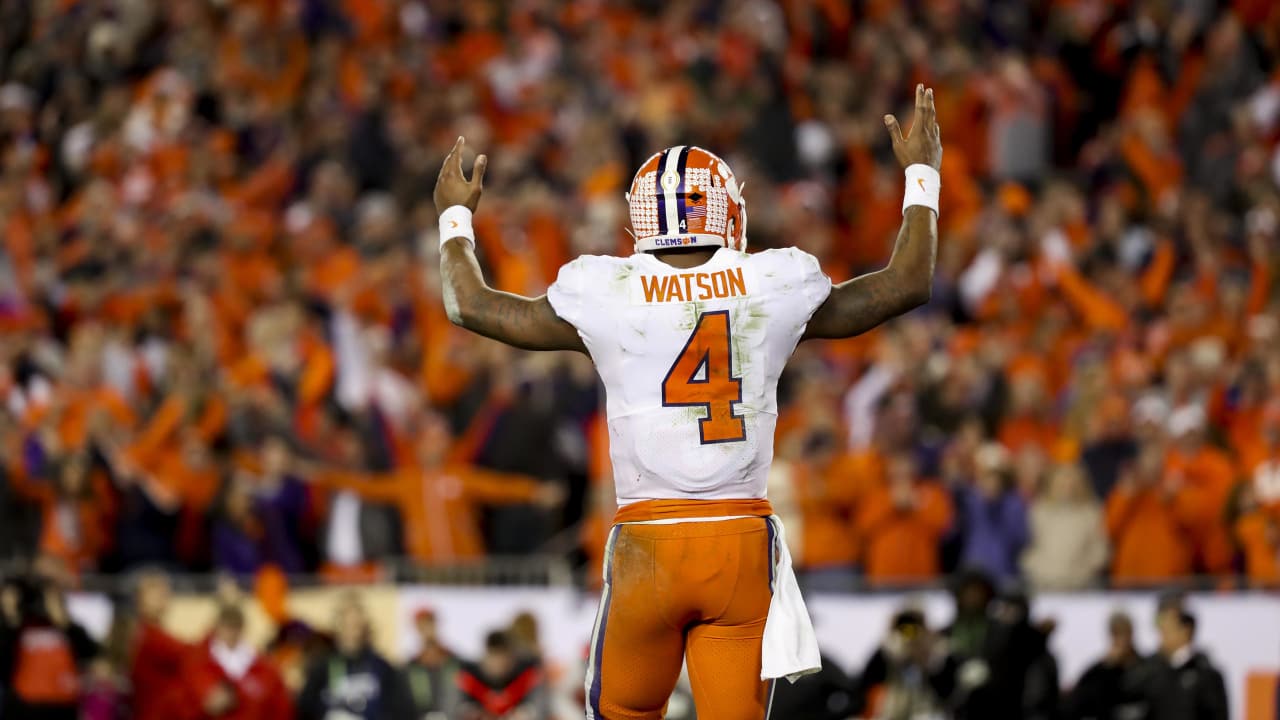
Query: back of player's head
{"points": [[686, 197]]}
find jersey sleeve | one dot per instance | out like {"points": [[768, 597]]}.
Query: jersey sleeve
{"points": [[567, 294], [797, 275]]}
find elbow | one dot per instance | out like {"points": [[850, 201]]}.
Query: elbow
{"points": [[918, 295], [464, 318], [457, 310], [455, 315], [914, 287], [924, 295]]}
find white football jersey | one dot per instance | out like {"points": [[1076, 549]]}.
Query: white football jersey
{"points": [[690, 360]]}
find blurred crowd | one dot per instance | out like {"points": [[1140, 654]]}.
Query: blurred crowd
{"points": [[225, 348], [54, 670], [991, 660]]}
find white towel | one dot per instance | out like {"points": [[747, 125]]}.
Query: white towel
{"points": [[790, 647]]}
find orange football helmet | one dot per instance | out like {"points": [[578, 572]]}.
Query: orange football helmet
{"points": [[685, 196]]}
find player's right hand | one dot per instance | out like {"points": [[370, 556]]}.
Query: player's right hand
{"points": [[452, 187], [923, 144]]}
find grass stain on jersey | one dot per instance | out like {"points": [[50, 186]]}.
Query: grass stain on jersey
{"points": [[757, 316], [749, 324], [693, 414], [693, 311]]}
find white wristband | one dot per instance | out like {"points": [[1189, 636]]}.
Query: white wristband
{"points": [[923, 186], [455, 222]]}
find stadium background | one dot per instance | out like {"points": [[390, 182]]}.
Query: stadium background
{"points": [[221, 313]]}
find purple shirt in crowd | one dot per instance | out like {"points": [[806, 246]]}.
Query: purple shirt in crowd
{"points": [[995, 531]]}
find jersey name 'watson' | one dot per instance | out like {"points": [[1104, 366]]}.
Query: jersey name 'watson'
{"points": [[681, 287]]}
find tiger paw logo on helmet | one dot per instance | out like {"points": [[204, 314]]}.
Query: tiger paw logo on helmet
{"points": [[685, 196]]}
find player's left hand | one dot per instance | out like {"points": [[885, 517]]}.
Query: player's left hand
{"points": [[452, 187]]}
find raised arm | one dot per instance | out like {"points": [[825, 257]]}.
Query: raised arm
{"points": [[857, 305], [526, 323], [377, 488]]}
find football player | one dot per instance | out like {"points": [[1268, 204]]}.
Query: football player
{"points": [[690, 334]]}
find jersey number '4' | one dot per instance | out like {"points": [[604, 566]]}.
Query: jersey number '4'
{"points": [[702, 375]]}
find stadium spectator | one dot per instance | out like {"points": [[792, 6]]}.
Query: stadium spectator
{"points": [[73, 512], [106, 691], [1257, 532], [1068, 547], [501, 684], [293, 650], [266, 514], [432, 672], [972, 592], [19, 528], [1108, 447], [828, 694], [1029, 420], [1202, 476], [439, 499], [43, 652], [355, 535], [103, 695], [279, 493], [827, 490], [354, 680], [910, 674], [1259, 451], [900, 526], [228, 679], [992, 515], [158, 658], [1179, 681], [1102, 691], [970, 633], [1147, 520], [168, 474], [1013, 674], [253, 531], [537, 399], [523, 634]]}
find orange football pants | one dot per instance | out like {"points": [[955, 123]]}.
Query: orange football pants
{"points": [[695, 591]]}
